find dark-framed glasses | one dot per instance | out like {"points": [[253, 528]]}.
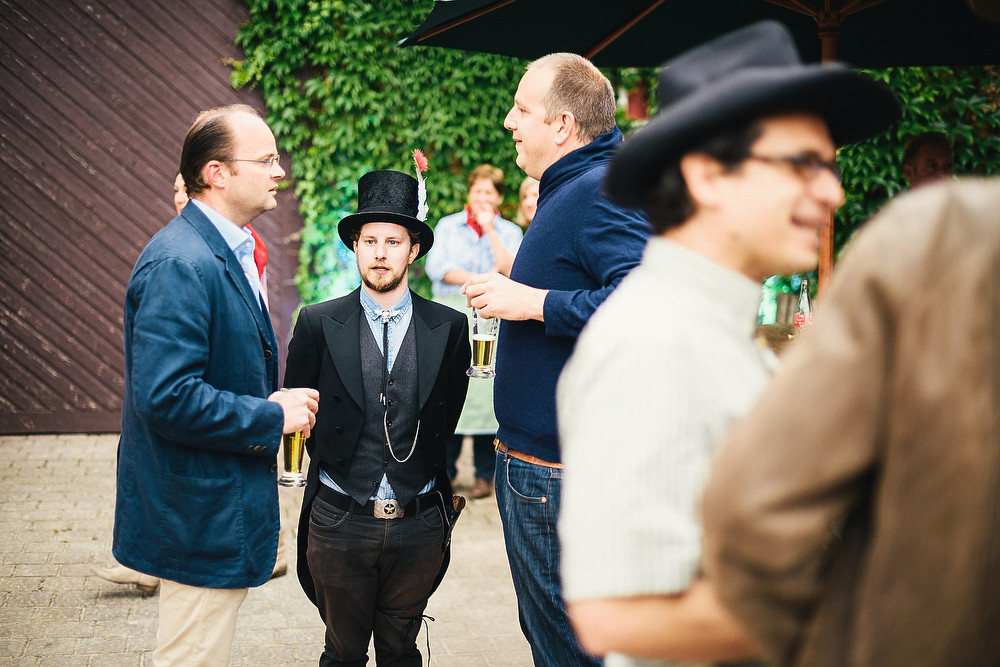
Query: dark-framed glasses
{"points": [[806, 166], [274, 161]]}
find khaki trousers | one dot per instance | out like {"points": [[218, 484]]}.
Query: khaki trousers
{"points": [[196, 625]]}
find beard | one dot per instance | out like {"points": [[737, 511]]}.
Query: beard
{"points": [[381, 283]]}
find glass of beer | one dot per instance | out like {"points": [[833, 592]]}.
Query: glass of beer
{"points": [[292, 446], [484, 342]]}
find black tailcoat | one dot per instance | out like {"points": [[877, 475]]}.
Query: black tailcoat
{"points": [[325, 354]]}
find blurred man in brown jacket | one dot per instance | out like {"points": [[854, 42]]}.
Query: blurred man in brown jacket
{"points": [[853, 518]]}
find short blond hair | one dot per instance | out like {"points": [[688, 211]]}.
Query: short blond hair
{"points": [[579, 88]]}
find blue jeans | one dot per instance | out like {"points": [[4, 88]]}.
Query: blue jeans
{"points": [[528, 498]]}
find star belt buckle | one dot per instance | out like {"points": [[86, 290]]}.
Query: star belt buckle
{"points": [[388, 509]]}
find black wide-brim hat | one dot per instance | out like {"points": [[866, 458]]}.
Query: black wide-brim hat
{"points": [[387, 196], [747, 74]]}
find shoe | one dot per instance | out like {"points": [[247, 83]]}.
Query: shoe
{"points": [[280, 561], [482, 488], [280, 567], [120, 574]]}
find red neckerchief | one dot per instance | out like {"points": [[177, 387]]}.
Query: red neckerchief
{"points": [[259, 252], [470, 220]]}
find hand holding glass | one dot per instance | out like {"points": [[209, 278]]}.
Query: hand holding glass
{"points": [[292, 446], [484, 342]]}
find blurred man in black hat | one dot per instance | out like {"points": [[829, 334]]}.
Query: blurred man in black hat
{"points": [[863, 530], [376, 513], [737, 175]]}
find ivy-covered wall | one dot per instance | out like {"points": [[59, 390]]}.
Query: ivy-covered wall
{"points": [[962, 102], [343, 100]]}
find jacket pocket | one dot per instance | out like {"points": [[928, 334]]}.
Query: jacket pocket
{"points": [[202, 518]]}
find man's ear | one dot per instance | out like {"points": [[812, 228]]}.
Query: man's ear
{"points": [[908, 172], [702, 176], [565, 127], [414, 251], [215, 174]]}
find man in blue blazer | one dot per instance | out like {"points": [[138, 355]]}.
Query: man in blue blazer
{"points": [[197, 502], [391, 367]]}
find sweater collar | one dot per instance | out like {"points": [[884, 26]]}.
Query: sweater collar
{"points": [[598, 151]]}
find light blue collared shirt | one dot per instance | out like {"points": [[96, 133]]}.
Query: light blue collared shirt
{"points": [[402, 312], [398, 324], [240, 241], [456, 246]]}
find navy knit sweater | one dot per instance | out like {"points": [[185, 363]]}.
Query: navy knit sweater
{"points": [[579, 246]]}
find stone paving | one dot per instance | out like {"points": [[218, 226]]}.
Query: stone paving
{"points": [[57, 495]]}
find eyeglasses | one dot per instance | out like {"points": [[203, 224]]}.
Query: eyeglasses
{"points": [[269, 162], [806, 166]]}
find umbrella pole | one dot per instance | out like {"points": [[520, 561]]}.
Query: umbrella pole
{"points": [[828, 35], [828, 18]]}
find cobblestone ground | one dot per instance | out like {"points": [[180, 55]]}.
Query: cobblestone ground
{"points": [[57, 497]]}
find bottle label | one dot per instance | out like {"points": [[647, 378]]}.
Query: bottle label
{"points": [[802, 320]]}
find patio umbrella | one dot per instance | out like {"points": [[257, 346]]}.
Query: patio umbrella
{"points": [[645, 33]]}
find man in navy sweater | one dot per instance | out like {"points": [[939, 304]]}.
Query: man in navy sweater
{"points": [[578, 248]]}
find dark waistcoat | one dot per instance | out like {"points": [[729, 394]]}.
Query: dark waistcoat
{"points": [[398, 416]]}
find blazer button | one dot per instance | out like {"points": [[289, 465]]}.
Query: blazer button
{"points": [[339, 429], [268, 355], [274, 468]]}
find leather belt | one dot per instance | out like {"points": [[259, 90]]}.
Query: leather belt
{"points": [[380, 509], [521, 456]]}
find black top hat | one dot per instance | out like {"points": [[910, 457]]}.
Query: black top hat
{"points": [[746, 74], [387, 196]]}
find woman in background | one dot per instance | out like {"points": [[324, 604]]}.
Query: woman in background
{"points": [[527, 202], [475, 240]]}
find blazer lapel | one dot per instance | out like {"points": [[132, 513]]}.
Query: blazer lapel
{"points": [[234, 271], [432, 342], [342, 331]]}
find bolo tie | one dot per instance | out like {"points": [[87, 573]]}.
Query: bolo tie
{"points": [[387, 316]]}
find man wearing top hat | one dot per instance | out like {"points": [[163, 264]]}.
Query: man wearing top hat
{"points": [[390, 367], [737, 176]]}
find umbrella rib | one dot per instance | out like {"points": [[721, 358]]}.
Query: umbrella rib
{"points": [[601, 45], [822, 12], [463, 19], [800, 6], [853, 6]]}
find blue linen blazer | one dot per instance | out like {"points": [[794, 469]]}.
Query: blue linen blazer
{"points": [[197, 499]]}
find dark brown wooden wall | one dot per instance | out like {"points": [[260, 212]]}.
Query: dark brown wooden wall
{"points": [[95, 99]]}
